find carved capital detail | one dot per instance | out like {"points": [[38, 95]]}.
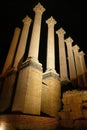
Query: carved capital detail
{"points": [[39, 8], [60, 31], [81, 53], [51, 21], [69, 40], [75, 47], [27, 20]]}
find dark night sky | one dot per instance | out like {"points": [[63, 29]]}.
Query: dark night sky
{"points": [[69, 14]]}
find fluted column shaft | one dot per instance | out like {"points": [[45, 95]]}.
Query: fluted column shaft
{"points": [[35, 38], [62, 54], [23, 40], [11, 53], [72, 70], [50, 44]]}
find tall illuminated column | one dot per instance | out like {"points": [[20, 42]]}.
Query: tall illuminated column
{"points": [[83, 65], [62, 54], [51, 89], [9, 60], [82, 59], [35, 38], [9, 81], [50, 44], [71, 62], [11, 53], [22, 43], [78, 65], [28, 93]]}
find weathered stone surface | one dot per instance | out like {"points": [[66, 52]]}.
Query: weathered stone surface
{"points": [[74, 105], [28, 92], [51, 92], [66, 123]]}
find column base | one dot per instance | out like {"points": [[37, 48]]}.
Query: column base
{"points": [[28, 93], [51, 93], [7, 91]]}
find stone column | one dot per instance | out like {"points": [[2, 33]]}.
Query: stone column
{"points": [[83, 65], [71, 62], [50, 45], [22, 43], [78, 65], [51, 87], [28, 93], [10, 56], [62, 54], [35, 38], [7, 68], [82, 59], [10, 78]]}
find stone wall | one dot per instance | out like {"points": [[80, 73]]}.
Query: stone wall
{"points": [[74, 109]]}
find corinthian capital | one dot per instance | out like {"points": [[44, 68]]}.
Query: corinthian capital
{"points": [[27, 20], [51, 21], [69, 40], [39, 8], [60, 31]]}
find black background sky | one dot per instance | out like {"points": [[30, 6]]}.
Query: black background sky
{"points": [[69, 14]]}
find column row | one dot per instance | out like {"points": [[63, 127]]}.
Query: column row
{"points": [[34, 47]]}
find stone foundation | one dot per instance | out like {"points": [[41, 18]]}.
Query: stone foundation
{"points": [[51, 92], [74, 105], [29, 86]]}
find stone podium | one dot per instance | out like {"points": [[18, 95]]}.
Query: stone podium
{"points": [[51, 93]]}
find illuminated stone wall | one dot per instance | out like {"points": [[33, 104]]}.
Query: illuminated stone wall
{"points": [[74, 110]]}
